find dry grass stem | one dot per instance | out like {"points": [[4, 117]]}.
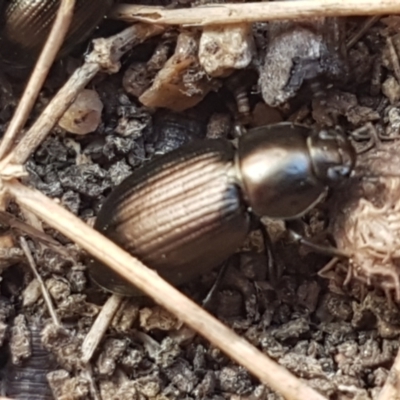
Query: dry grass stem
{"points": [[45, 293], [35, 233], [105, 56], [87, 373], [39, 74], [253, 12], [361, 32], [270, 373], [394, 59], [55, 109], [100, 326]]}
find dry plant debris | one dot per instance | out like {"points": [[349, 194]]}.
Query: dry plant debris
{"points": [[340, 342], [181, 83], [215, 14]]}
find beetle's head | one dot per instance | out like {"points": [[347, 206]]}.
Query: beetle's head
{"points": [[333, 156]]}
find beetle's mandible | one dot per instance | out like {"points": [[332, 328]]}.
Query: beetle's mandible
{"points": [[186, 212]]}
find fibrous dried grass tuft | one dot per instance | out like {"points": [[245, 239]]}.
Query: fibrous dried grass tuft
{"points": [[372, 236]]}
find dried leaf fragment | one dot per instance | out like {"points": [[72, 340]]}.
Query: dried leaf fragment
{"points": [[182, 83]]}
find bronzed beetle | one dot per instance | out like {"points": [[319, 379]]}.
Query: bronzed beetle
{"points": [[25, 25], [187, 211]]}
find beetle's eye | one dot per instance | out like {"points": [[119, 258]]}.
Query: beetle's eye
{"points": [[338, 172]]}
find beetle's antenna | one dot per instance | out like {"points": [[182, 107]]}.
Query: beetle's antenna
{"points": [[318, 248]]}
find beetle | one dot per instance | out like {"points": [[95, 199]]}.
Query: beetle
{"points": [[27, 379], [25, 25], [187, 211]]}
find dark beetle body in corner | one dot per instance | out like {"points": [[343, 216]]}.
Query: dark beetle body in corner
{"points": [[186, 212], [28, 381], [25, 25]]}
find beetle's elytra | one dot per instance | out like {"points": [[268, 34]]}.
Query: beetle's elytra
{"points": [[28, 380], [25, 25], [187, 211]]}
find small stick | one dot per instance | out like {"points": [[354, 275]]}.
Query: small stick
{"points": [[105, 56], [39, 74], [100, 326], [49, 117], [394, 58], [45, 293], [147, 280], [88, 374], [254, 12], [362, 30], [21, 226]]}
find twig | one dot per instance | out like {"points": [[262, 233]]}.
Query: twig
{"points": [[33, 232], [88, 374], [105, 56], [100, 326], [49, 117], [253, 12], [270, 373], [43, 65], [361, 31], [45, 293], [394, 58]]}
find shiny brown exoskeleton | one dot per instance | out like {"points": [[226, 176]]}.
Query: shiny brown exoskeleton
{"points": [[27, 380], [25, 25], [186, 212]]}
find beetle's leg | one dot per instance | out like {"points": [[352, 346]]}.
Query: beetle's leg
{"points": [[293, 230], [274, 266], [207, 302]]}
